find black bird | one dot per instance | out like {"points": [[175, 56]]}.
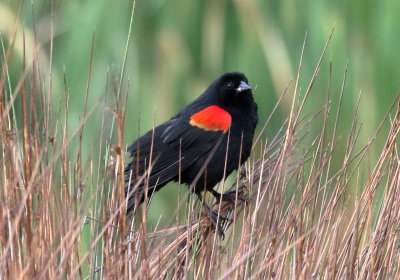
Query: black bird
{"points": [[199, 145]]}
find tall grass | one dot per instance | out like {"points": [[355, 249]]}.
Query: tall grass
{"points": [[293, 217], [312, 203]]}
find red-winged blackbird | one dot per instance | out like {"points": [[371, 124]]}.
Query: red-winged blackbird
{"points": [[199, 145]]}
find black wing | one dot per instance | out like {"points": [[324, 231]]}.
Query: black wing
{"points": [[162, 153]]}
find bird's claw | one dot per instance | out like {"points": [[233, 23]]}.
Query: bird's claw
{"points": [[216, 221]]}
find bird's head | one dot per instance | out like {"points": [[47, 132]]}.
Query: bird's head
{"points": [[233, 88]]}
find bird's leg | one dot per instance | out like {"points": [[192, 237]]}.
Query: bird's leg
{"points": [[228, 196], [213, 216]]}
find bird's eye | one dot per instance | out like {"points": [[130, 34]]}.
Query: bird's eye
{"points": [[230, 85]]}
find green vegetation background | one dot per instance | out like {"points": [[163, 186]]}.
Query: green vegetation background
{"points": [[179, 47]]}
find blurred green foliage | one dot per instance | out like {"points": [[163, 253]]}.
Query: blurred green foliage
{"points": [[179, 47]]}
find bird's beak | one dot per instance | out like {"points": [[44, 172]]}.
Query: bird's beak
{"points": [[243, 87]]}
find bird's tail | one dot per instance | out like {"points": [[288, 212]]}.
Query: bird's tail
{"points": [[138, 189]]}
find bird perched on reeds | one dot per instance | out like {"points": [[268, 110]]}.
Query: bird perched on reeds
{"points": [[199, 146]]}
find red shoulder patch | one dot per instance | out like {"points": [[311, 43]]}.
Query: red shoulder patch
{"points": [[212, 118]]}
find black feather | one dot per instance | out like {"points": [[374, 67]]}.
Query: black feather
{"points": [[176, 149]]}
